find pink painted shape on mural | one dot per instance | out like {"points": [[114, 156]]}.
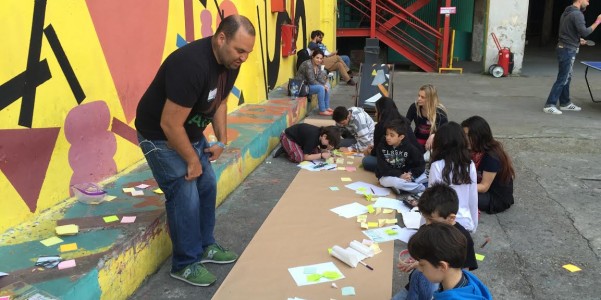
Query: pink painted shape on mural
{"points": [[93, 145], [229, 8], [132, 35], [24, 158], [206, 21]]}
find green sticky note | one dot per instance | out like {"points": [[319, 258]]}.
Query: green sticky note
{"points": [[51, 241], [479, 257], [370, 209], [334, 188], [393, 232], [313, 277], [361, 189], [112, 218], [331, 275]]}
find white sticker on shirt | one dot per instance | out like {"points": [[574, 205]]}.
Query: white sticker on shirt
{"points": [[212, 95]]}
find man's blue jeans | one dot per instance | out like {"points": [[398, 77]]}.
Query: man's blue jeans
{"points": [[190, 205], [561, 88], [323, 97], [346, 60]]}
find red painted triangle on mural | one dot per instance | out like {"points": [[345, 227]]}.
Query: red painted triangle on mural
{"points": [[24, 158], [132, 35]]}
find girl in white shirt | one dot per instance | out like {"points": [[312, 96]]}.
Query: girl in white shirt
{"points": [[452, 164]]}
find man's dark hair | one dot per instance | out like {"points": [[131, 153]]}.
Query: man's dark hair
{"points": [[439, 198], [340, 114], [316, 33], [438, 242], [230, 25], [399, 126], [332, 134]]}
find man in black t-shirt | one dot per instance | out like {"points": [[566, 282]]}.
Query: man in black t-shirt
{"points": [[188, 93]]}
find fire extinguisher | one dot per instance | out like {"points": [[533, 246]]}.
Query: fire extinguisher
{"points": [[504, 64]]}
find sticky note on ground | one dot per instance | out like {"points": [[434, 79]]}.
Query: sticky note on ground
{"points": [[158, 191], [128, 190], [66, 264], [109, 198], [346, 179], [479, 257], [70, 229], [68, 247], [348, 291], [387, 211], [137, 193], [128, 219], [572, 268], [142, 186], [109, 219], [334, 188], [51, 241]]}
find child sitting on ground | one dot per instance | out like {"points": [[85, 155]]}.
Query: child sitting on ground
{"points": [[439, 203], [308, 142], [400, 165], [440, 250]]}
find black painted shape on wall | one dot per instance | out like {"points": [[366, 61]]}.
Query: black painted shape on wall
{"points": [[63, 62], [33, 58], [12, 90]]}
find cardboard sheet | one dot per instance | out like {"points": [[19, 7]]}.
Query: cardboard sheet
{"points": [[298, 232]]}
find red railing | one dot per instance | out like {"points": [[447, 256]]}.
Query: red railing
{"points": [[399, 28]]}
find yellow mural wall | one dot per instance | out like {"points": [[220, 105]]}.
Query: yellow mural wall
{"points": [[71, 74]]}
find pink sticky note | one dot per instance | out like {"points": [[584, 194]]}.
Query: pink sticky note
{"points": [[351, 169], [142, 186], [128, 219], [66, 264], [4, 297]]}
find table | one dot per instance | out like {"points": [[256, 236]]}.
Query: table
{"points": [[595, 65]]}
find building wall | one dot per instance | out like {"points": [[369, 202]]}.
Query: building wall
{"points": [[508, 20], [72, 73]]}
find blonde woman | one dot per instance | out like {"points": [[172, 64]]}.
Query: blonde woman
{"points": [[428, 114]]}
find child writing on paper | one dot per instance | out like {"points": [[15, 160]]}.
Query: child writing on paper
{"points": [[452, 164], [440, 250], [308, 142], [438, 203], [400, 165]]}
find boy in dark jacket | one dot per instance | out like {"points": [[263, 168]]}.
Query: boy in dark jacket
{"points": [[400, 164]]}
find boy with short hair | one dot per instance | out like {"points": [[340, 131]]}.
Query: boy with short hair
{"points": [[438, 204], [400, 165], [440, 250], [359, 123]]}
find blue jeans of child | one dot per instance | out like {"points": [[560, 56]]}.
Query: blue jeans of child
{"points": [[561, 88], [190, 205], [419, 288], [323, 97]]}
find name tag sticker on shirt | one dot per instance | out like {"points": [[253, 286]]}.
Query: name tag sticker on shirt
{"points": [[212, 95]]}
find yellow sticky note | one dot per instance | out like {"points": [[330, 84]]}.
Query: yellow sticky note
{"points": [[391, 221], [51, 241], [387, 210], [378, 210], [364, 225], [479, 257], [330, 160], [370, 209], [570, 267], [381, 222], [128, 190], [68, 247], [329, 250], [368, 197], [346, 179], [340, 161], [340, 168], [361, 218], [109, 219], [304, 163], [158, 191], [376, 248], [372, 224], [70, 229], [350, 162], [109, 198]]}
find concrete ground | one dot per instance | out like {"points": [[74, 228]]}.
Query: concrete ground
{"points": [[557, 188]]}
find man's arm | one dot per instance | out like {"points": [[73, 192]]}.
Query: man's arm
{"points": [[172, 123], [220, 128]]}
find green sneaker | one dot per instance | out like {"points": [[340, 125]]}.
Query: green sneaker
{"points": [[219, 255], [195, 274]]}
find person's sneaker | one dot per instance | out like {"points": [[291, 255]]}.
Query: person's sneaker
{"points": [[571, 107], [219, 255], [351, 82], [195, 274], [278, 152], [552, 110]]}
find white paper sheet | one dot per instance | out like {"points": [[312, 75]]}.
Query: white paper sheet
{"points": [[350, 210], [412, 219], [299, 276], [361, 187], [311, 166], [391, 203], [379, 235]]}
